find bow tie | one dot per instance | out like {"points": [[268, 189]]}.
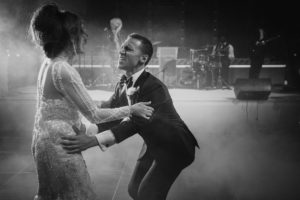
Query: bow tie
{"points": [[126, 81]]}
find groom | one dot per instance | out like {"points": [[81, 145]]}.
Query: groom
{"points": [[169, 145]]}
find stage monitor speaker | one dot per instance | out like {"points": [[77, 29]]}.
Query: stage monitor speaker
{"points": [[252, 89]]}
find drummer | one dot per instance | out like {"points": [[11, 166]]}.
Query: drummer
{"points": [[223, 51]]}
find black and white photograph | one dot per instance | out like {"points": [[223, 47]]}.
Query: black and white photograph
{"points": [[149, 100]]}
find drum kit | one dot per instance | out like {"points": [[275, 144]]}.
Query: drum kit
{"points": [[205, 68]]}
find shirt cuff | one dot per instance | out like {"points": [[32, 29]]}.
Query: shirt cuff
{"points": [[91, 130], [105, 139]]}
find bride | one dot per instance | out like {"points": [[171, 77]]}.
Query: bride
{"points": [[61, 100]]}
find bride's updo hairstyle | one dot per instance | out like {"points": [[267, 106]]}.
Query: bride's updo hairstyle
{"points": [[56, 30]]}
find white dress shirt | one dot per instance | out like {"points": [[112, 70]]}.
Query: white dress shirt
{"points": [[230, 51], [107, 138]]}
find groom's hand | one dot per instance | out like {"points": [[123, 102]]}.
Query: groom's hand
{"points": [[78, 143]]}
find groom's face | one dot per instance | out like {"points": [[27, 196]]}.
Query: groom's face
{"points": [[130, 54]]}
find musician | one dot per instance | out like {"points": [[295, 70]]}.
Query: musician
{"points": [[213, 43], [257, 53], [211, 70], [223, 52]]}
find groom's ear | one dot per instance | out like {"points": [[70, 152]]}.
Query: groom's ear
{"points": [[144, 58]]}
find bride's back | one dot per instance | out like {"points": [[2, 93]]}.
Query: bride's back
{"points": [[60, 175], [52, 104]]}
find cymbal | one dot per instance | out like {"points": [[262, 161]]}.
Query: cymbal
{"points": [[206, 46], [156, 42], [204, 49]]}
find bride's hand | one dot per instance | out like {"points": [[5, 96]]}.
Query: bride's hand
{"points": [[142, 110]]}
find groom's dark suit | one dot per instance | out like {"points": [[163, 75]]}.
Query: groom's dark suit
{"points": [[169, 145]]}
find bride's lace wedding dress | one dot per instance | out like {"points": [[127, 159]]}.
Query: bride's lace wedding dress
{"points": [[61, 101]]}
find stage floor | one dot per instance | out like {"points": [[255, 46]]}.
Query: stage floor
{"points": [[249, 149], [29, 93]]}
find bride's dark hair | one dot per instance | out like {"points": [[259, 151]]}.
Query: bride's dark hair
{"points": [[56, 30]]}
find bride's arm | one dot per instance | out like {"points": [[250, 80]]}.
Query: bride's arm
{"points": [[67, 81], [110, 103]]}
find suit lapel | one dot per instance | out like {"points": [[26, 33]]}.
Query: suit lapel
{"points": [[122, 95], [141, 80], [139, 83]]}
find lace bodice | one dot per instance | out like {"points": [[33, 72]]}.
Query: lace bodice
{"points": [[74, 99], [61, 101]]}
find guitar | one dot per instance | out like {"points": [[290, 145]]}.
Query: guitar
{"points": [[258, 48], [264, 42]]}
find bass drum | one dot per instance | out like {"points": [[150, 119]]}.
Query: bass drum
{"points": [[186, 78], [214, 65]]}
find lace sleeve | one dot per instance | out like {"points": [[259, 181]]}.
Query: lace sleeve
{"points": [[67, 80]]}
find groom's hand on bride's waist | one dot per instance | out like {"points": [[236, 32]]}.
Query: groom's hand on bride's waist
{"points": [[78, 143]]}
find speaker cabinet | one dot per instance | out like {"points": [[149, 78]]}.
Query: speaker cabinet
{"points": [[252, 89]]}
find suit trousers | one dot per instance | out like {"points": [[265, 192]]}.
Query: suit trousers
{"points": [[151, 179], [255, 67], [225, 69]]}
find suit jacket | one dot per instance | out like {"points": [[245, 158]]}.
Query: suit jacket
{"points": [[167, 137]]}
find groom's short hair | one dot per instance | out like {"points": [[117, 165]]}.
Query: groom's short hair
{"points": [[147, 47]]}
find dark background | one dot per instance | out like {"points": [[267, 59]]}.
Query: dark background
{"points": [[183, 23], [249, 149], [173, 22]]}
